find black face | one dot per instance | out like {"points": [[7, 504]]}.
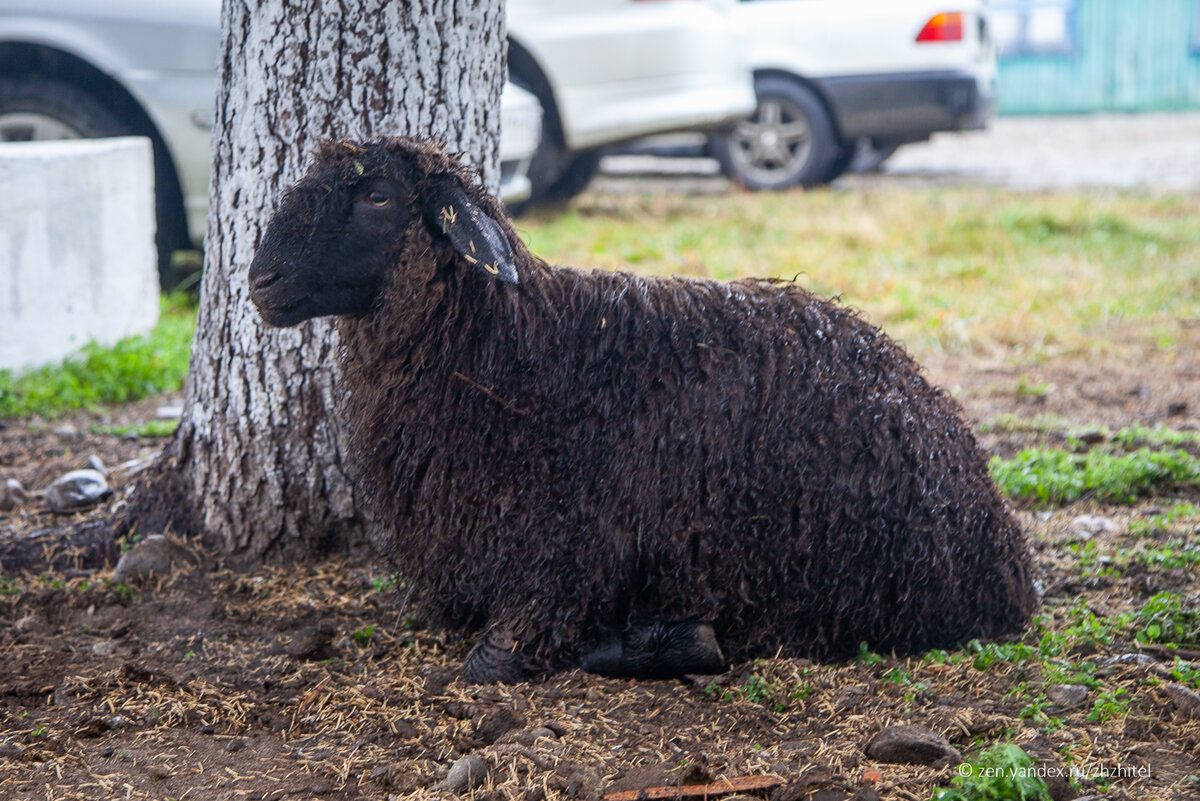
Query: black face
{"points": [[328, 248]]}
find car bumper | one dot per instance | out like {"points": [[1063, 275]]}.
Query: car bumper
{"points": [[908, 107]]}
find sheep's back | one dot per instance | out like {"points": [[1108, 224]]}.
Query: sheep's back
{"points": [[600, 448]]}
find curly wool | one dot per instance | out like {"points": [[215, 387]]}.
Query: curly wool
{"points": [[583, 450]]}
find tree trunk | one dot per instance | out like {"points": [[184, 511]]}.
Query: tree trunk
{"points": [[257, 462]]}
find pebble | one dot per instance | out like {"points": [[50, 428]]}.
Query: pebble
{"points": [[78, 489], [153, 555], [104, 648], [107, 751], [1088, 526], [66, 431], [11, 751], [1067, 696], [913, 745], [466, 774], [318, 788], [1184, 699], [12, 495], [233, 746]]}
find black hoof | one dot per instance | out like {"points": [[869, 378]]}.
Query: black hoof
{"points": [[657, 651], [494, 660]]}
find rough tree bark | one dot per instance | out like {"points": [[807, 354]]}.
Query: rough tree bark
{"points": [[257, 462]]}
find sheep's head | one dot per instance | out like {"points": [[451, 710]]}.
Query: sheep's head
{"points": [[339, 233]]}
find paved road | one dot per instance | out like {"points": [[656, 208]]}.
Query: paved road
{"points": [[1154, 152], [1158, 152]]}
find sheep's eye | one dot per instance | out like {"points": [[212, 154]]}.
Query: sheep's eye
{"points": [[380, 199]]}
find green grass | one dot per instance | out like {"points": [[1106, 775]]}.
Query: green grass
{"points": [[1052, 477], [133, 368], [1026, 276], [1001, 773], [150, 429]]}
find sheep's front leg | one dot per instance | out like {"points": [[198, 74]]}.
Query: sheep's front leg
{"points": [[657, 650], [494, 659]]}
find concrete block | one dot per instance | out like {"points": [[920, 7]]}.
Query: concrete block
{"points": [[77, 256]]}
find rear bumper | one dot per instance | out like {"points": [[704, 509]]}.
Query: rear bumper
{"points": [[908, 107]]}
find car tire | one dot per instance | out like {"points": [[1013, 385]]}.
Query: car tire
{"points": [[789, 140], [33, 108], [555, 173]]}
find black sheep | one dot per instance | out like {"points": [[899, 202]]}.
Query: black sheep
{"points": [[622, 471]]}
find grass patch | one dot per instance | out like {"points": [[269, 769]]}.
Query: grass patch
{"points": [[1001, 773], [134, 368], [945, 270], [1052, 477], [150, 429]]}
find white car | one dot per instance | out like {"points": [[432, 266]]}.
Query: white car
{"points": [[610, 71], [832, 75], [81, 68]]}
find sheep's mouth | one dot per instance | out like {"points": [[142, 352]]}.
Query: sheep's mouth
{"points": [[282, 315]]}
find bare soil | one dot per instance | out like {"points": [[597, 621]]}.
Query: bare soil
{"points": [[309, 682]]}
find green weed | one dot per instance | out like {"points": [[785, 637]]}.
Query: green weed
{"points": [[133, 368], [151, 429], [1001, 773], [1053, 477]]}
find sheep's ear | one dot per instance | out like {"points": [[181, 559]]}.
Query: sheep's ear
{"points": [[477, 237]]}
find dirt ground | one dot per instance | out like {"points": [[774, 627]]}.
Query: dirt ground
{"points": [[309, 682]]}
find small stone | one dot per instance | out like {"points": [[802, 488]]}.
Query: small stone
{"points": [[913, 745], [311, 642], [491, 727], [542, 731], [107, 751], [584, 784], [1088, 526], [318, 788], [26, 623], [208, 729], [104, 648], [235, 745], [159, 772], [11, 751], [77, 490], [1130, 659], [1067, 696], [169, 412], [12, 495], [68, 431], [1176, 408], [1185, 700], [466, 774], [1090, 436], [155, 554]]}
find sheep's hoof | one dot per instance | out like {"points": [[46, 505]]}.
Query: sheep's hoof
{"points": [[494, 659], [657, 651]]}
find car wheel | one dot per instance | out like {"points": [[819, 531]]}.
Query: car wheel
{"points": [[36, 109], [575, 176], [789, 140]]}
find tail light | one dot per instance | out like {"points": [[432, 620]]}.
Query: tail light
{"points": [[947, 27]]}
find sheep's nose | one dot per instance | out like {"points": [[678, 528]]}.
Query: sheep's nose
{"points": [[262, 280]]}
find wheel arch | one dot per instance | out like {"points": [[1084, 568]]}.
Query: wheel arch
{"points": [[520, 59], [18, 59]]}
